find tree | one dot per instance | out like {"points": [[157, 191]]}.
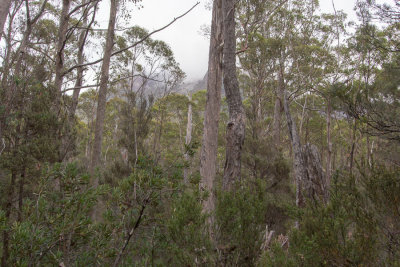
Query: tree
{"points": [[235, 130], [4, 7], [208, 156], [102, 97]]}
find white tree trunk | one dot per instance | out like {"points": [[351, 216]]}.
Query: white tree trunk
{"points": [[188, 139]]}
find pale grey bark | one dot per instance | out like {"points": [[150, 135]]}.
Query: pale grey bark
{"points": [[208, 155], [102, 97], [299, 169], [235, 130], [188, 139], [307, 166], [4, 8]]}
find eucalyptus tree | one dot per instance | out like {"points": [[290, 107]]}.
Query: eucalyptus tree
{"points": [[105, 73], [208, 156], [235, 131], [101, 106]]}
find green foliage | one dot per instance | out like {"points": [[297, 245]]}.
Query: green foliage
{"points": [[56, 221], [241, 216], [187, 233], [356, 227]]}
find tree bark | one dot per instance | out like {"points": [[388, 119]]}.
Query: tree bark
{"points": [[300, 172], [4, 8], [81, 58], [102, 98], [235, 130], [352, 146], [277, 118], [329, 141], [208, 155], [67, 144], [61, 39], [21, 194], [188, 139]]}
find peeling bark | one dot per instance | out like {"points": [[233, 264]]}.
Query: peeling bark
{"points": [[235, 130], [208, 155]]}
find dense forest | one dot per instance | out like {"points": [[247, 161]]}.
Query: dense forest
{"points": [[286, 154]]}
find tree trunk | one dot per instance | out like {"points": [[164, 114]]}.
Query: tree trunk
{"points": [[4, 8], [208, 155], [352, 146], [61, 39], [188, 139], [329, 141], [277, 118], [68, 142], [300, 172], [102, 98], [235, 130], [21, 194], [81, 58]]}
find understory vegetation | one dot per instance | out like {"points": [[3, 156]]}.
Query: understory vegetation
{"points": [[107, 165]]}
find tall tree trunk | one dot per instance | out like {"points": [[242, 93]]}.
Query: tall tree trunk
{"points": [[235, 130], [300, 172], [352, 146], [4, 8], [102, 98], [277, 117], [81, 47], [329, 142], [61, 39], [188, 139], [208, 155], [68, 142], [21, 194]]}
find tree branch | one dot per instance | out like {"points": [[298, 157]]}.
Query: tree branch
{"points": [[115, 81], [138, 220], [135, 44]]}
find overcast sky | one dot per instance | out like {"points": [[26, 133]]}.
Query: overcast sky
{"points": [[189, 46]]}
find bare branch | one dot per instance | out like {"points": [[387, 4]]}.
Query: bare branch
{"points": [[135, 44], [113, 82], [130, 234]]}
